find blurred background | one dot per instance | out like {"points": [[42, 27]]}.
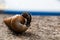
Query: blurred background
{"points": [[41, 6]]}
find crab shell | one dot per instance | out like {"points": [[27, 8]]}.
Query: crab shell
{"points": [[16, 23]]}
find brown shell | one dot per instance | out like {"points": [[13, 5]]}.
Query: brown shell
{"points": [[16, 23]]}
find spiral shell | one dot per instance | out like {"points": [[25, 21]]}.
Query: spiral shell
{"points": [[17, 23]]}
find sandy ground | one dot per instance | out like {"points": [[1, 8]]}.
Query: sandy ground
{"points": [[42, 28]]}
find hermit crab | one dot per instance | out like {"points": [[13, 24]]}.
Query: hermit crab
{"points": [[18, 23]]}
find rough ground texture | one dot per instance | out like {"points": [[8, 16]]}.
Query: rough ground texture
{"points": [[42, 28]]}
